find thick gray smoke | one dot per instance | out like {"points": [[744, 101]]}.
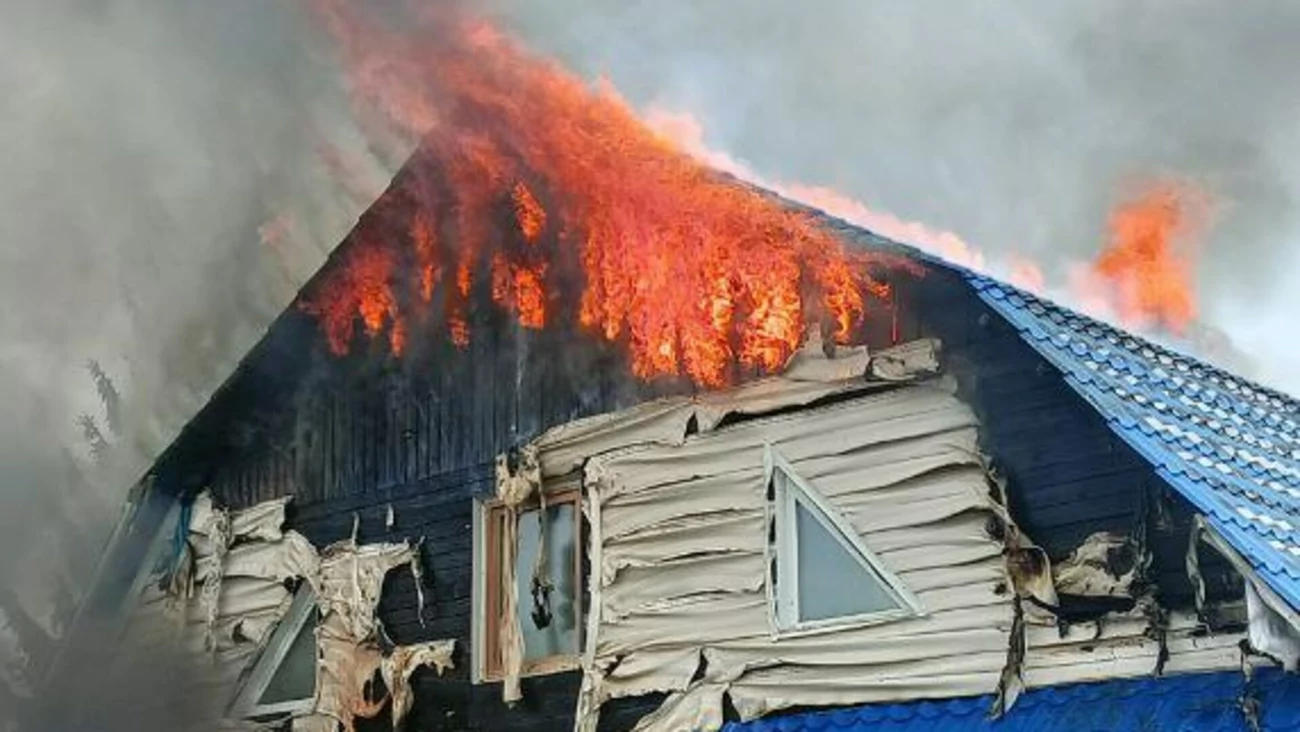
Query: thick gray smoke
{"points": [[145, 143], [1014, 123]]}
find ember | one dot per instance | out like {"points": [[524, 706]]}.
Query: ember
{"points": [[695, 273]]}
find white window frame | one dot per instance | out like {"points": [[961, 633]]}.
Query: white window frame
{"points": [[563, 491], [782, 555], [245, 704]]}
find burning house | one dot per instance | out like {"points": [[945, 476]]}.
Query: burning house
{"points": [[574, 432]]}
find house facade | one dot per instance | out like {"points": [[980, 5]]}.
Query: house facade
{"points": [[986, 506]]}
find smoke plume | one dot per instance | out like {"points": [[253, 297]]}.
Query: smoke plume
{"points": [[146, 147]]}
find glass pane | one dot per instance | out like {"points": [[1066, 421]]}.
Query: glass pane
{"points": [[561, 635], [295, 679], [832, 582]]}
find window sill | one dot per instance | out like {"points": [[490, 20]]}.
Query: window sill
{"points": [[540, 667]]}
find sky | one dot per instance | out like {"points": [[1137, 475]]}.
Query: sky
{"points": [[145, 143]]}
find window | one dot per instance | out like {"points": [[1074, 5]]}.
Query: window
{"points": [[283, 681], [821, 574], [552, 630]]}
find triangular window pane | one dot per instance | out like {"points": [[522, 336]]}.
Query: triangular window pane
{"points": [[295, 678], [833, 583], [821, 571]]}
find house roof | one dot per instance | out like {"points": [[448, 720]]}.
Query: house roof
{"points": [[1230, 447], [1184, 702]]}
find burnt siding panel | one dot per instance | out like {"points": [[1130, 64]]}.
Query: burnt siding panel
{"points": [[440, 511]]}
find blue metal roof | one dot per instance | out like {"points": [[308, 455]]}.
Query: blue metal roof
{"points": [[1193, 702], [1232, 448]]}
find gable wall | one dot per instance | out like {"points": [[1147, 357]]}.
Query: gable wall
{"points": [[420, 438]]}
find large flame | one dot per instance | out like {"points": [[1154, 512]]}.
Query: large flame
{"points": [[1147, 263], [524, 168], [695, 273]]}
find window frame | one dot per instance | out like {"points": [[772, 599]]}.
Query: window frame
{"points": [[489, 515], [782, 553], [245, 705]]}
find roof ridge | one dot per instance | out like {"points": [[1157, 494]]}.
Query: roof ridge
{"points": [[977, 278]]}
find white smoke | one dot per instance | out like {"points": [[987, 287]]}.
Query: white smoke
{"points": [[145, 143]]}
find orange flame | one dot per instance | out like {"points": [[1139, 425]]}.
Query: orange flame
{"points": [[360, 289], [1147, 263], [693, 272], [531, 215]]}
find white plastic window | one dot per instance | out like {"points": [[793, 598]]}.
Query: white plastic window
{"points": [[552, 640], [821, 573], [283, 681]]}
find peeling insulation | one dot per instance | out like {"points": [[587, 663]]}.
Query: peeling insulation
{"points": [[1104, 565], [518, 475], [678, 525], [231, 588], [682, 569], [221, 612]]}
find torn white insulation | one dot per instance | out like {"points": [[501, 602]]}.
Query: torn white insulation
{"points": [[678, 535], [1089, 571], [399, 665], [241, 565], [1269, 632], [517, 476], [811, 376], [683, 537], [417, 576]]}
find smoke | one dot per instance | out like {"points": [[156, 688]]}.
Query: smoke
{"points": [[145, 143], [1016, 124]]}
